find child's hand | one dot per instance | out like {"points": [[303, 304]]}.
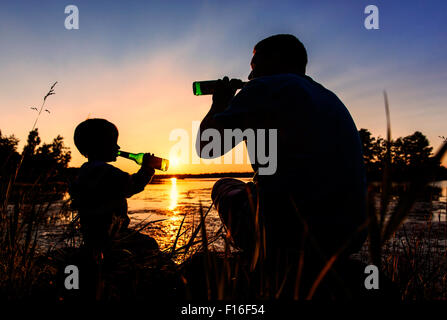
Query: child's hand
{"points": [[147, 163]]}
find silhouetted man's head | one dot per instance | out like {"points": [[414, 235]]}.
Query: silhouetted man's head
{"points": [[281, 53], [97, 139]]}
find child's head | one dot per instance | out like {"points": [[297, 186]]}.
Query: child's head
{"points": [[96, 139]]}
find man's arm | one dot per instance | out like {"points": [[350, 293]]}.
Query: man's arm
{"points": [[222, 96]]}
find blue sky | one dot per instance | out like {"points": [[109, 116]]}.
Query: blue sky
{"points": [[133, 55]]}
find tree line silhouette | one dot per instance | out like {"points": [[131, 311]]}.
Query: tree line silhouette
{"points": [[407, 156], [48, 162], [44, 167]]}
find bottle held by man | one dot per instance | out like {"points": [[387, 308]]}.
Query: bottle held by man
{"points": [[200, 88]]}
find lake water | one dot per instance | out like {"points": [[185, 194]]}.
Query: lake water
{"points": [[166, 202], [170, 200]]}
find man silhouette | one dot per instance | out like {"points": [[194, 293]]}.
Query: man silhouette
{"points": [[316, 198]]}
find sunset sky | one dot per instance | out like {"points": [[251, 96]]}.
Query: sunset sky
{"points": [[133, 63]]}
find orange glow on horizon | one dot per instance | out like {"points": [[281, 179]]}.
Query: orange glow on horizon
{"points": [[146, 102]]}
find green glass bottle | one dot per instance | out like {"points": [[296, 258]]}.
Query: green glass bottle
{"points": [[200, 88], [154, 162]]}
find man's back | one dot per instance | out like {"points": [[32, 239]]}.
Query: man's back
{"points": [[319, 151]]}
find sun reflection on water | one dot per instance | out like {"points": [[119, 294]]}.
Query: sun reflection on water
{"points": [[173, 195]]}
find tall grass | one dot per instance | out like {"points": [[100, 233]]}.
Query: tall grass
{"points": [[22, 213], [21, 223], [383, 228]]}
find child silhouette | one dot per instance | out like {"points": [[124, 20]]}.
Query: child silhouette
{"points": [[100, 190]]}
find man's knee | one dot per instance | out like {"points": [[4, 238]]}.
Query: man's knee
{"points": [[226, 187]]}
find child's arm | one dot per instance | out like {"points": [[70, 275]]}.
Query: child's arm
{"points": [[139, 180], [136, 182], [120, 183]]}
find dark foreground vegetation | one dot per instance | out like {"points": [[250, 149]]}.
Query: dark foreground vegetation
{"points": [[34, 184]]}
